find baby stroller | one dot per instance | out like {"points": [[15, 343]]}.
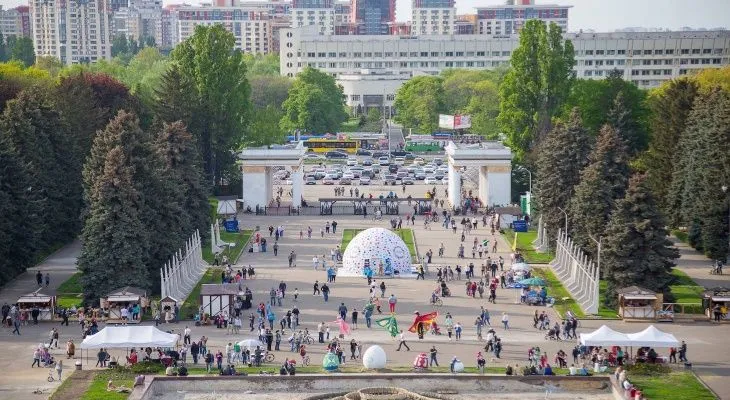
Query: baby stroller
{"points": [[435, 330], [552, 334]]}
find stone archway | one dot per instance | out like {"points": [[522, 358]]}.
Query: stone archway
{"points": [[494, 162]]}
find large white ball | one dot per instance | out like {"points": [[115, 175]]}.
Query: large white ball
{"points": [[458, 366], [375, 246], [374, 357]]}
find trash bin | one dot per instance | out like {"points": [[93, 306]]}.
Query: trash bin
{"points": [[78, 365]]}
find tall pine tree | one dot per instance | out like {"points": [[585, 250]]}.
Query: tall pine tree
{"points": [[115, 240], [628, 128], [636, 250], [602, 183], [561, 156], [670, 107], [181, 166]]}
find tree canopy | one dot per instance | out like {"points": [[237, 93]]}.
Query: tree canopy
{"points": [[418, 103], [315, 104]]}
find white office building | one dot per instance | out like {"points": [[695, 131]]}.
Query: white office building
{"points": [[319, 13], [645, 58], [506, 20], [433, 17], [371, 88], [74, 31], [251, 27]]}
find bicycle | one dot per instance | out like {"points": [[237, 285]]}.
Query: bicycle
{"points": [[305, 360], [269, 358], [308, 340], [51, 378], [437, 302]]}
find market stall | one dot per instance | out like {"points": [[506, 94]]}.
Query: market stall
{"points": [[639, 304], [130, 337], [39, 306], [715, 302], [215, 298], [113, 303], [605, 336]]}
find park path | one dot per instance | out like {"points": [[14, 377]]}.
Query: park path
{"points": [[697, 266]]}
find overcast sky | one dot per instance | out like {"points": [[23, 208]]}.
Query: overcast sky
{"points": [[599, 15]]}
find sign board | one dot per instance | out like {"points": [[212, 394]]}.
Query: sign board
{"points": [[454, 121], [519, 225], [231, 225]]}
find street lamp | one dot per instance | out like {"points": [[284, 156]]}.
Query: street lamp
{"points": [[566, 219], [725, 190], [598, 243], [522, 168]]}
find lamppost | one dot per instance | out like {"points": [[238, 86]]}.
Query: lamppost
{"points": [[566, 219], [522, 168], [598, 243], [725, 190]]}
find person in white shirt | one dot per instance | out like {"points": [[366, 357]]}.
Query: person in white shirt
{"points": [[315, 262], [505, 320], [186, 335], [402, 338], [125, 315]]}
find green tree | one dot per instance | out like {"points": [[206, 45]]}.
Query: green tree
{"points": [[216, 73], [560, 158], [269, 90], [265, 129], [418, 103], [23, 51], [536, 86], [3, 49], [184, 180], [315, 103], [49, 63], [670, 107], [629, 129], [115, 240], [483, 107], [18, 216], [602, 183], [258, 64], [119, 45], [636, 250]]}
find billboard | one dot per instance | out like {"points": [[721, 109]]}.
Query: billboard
{"points": [[454, 121]]}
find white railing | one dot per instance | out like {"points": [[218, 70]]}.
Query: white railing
{"points": [[184, 270], [577, 272]]}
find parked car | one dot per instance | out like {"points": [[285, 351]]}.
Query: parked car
{"points": [[367, 161], [378, 154], [345, 181], [389, 179], [409, 156], [418, 160], [408, 181], [393, 168], [445, 181], [328, 180], [348, 175], [400, 160], [312, 156], [376, 168], [310, 180], [384, 161], [363, 152], [438, 161], [352, 161], [364, 180], [419, 175], [335, 154], [431, 181], [402, 174]]}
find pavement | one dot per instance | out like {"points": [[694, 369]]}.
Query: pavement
{"points": [[706, 342]]}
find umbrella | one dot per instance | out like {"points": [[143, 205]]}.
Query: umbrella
{"points": [[250, 343], [520, 266], [533, 282]]}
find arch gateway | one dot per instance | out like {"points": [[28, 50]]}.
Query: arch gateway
{"points": [[492, 159]]}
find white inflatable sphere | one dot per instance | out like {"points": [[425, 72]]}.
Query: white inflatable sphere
{"points": [[458, 366], [375, 358]]}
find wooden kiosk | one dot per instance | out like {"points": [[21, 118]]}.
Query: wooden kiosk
{"points": [[216, 298], [639, 304], [45, 304], [717, 297], [113, 303]]}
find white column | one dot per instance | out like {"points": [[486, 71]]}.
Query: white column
{"points": [[297, 180], [483, 185], [254, 179], [454, 186]]}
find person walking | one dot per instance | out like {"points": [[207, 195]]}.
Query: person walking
{"points": [[683, 352], [505, 320], [392, 302], [343, 311], [354, 318], [186, 335], [59, 369], [16, 325], [325, 292], [433, 359], [402, 339]]}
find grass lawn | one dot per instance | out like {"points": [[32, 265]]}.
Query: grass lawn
{"points": [[405, 234], [557, 291], [603, 311], [524, 245], [190, 306], [686, 291], [70, 292], [97, 389], [351, 125], [239, 239], [676, 385]]}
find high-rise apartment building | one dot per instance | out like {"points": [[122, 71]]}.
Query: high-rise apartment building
{"points": [[433, 17], [320, 13], [251, 27], [507, 20], [142, 21], [15, 21], [74, 31], [372, 17]]}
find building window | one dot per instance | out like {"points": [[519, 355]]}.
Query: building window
{"points": [[435, 54], [343, 55], [589, 52], [658, 52], [610, 52], [388, 54], [636, 52], [668, 62], [414, 54], [634, 72], [647, 52], [368, 54], [449, 54], [588, 62], [505, 54], [355, 97], [356, 55], [599, 52], [621, 52], [311, 55], [685, 51], [716, 61], [480, 53], [669, 52], [322, 55], [403, 54], [706, 51], [424, 54], [378, 55], [588, 73], [389, 97], [495, 54], [332, 54], [695, 51], [460, 54], [667, 72]]}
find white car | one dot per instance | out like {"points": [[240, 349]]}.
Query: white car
{"points": [[364, 180], [400, 160], [428, 170], [383, 161], [312, 156], [431, 181], [352, 162], [445, 181], [348, 175], [418, 160]]}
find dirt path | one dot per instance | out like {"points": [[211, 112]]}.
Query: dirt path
{"points": [[75, 386]]}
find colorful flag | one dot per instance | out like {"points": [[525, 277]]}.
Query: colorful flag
{"points": [[390, 325]]}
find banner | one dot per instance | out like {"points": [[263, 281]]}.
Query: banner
{"points": [[454, 121], [446, 121]]}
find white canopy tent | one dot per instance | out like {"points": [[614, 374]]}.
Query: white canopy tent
{"points": [[115, 337], [653, 337], [605, 336]]}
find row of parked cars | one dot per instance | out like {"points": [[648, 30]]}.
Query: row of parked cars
{"points": [[391, 171]]}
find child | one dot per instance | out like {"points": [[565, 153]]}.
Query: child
{"points": [[296, 294]]}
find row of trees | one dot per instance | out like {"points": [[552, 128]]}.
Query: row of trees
{"points": [[456, 91], [17, 49]]}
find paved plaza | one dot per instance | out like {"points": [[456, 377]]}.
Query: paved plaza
{"points": [[706, 342]]}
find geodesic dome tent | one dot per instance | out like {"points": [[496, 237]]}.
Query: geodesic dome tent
{"points": [[374, 247]]}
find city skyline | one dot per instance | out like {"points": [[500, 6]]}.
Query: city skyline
{"points": [[598, 15]]}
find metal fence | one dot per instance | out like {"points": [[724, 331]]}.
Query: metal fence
{"points": [[577, 272]]}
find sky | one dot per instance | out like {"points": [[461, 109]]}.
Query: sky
{"points": [[598, 15]]}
